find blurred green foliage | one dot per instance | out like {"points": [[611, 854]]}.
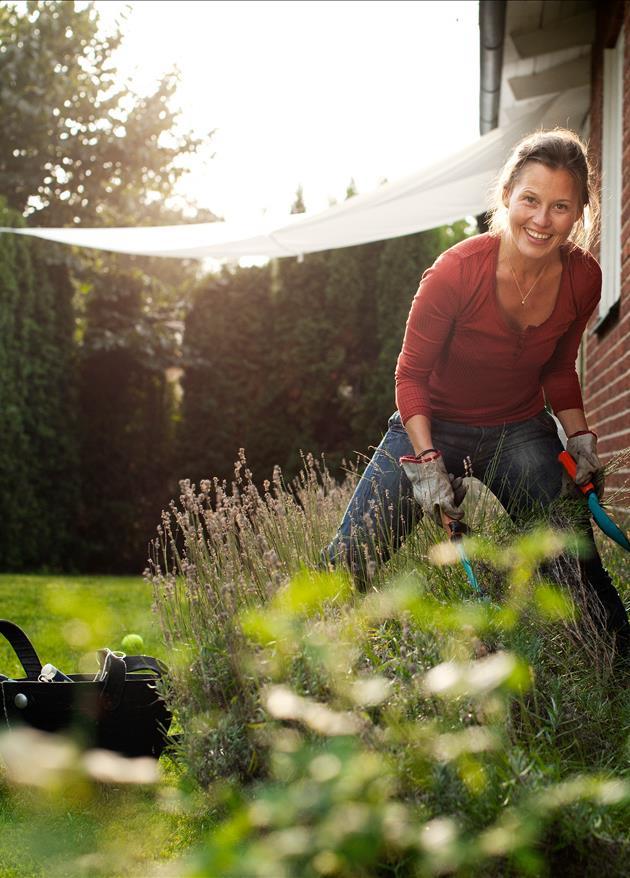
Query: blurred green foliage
{"points": [[72, 825], [410, 730]]}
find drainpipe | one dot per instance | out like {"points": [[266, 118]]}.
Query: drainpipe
{"points": [[491, 38]]}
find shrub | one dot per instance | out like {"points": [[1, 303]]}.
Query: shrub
{"points": [[412, 729]]}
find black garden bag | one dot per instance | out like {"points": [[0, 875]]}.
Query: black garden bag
{"points": [[118, 709]]}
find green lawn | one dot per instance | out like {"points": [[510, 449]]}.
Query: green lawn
{"points": [[68, 617], [89, 830]]}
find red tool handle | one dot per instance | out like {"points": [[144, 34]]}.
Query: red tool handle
{"points": [[447, 521], [454, 528], [570, 466]]}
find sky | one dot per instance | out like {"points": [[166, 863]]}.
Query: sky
{"points": [[308, 92]]}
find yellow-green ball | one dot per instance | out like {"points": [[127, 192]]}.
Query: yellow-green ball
{"points": [[132, 644]]}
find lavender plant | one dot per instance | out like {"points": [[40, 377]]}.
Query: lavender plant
{"points": [[412, 729], [222, 549]]}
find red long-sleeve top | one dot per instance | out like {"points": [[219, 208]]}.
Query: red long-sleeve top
{"points": [[461, 360]]}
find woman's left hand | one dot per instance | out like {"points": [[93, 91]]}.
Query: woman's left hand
{"points": [[583, 449]]}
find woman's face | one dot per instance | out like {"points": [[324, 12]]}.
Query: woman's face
{"points": [[543, 207]]}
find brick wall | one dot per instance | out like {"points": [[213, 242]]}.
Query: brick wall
{"points": [[606, 382]]}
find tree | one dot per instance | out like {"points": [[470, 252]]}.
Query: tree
{"points": [[401, 265], [39, 487], [229, 381], [299, 355], [351, 301], [75, 146]]}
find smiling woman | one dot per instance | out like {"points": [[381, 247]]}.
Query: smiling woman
{"points": [[538, 205], [491, 339], [543, 206], [570, 196]]}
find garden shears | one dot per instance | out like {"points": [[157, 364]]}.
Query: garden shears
{"points": [[602, 519]]}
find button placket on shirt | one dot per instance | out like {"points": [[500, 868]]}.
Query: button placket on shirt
{"points": [[520, 343]]}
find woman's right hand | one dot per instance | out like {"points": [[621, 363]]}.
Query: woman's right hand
{"points": [[435, 490]]}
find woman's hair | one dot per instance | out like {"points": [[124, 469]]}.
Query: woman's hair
{"points": [[558, 149]]}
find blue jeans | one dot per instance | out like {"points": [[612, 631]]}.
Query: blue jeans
{"points": [[517, 462]]}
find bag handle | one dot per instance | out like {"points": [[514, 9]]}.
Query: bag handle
{"points": [[23, 648], [145, 663], [114, 674]]}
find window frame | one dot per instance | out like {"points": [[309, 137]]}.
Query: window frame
{"points": [[612, 180]]}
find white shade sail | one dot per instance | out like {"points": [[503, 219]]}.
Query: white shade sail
{"points": [[449, 190]]}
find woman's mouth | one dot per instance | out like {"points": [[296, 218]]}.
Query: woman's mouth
{"points": [[538, 238]]}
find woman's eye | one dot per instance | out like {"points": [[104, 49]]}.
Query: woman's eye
{"points": [[561, 206], [530, 199]]}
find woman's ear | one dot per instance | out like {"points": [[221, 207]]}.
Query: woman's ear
{"points": [[506, 196]]}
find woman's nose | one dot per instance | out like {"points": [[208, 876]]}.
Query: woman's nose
{"points": [[542, 217]]}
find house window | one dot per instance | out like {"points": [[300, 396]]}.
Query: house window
{"points": [[612, 152]]}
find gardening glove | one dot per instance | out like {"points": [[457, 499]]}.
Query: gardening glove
{"points": [[582, 447], [459, 488], [434, 489]]}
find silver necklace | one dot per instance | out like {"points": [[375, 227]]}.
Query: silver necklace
{"points": [[525, 297]]}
